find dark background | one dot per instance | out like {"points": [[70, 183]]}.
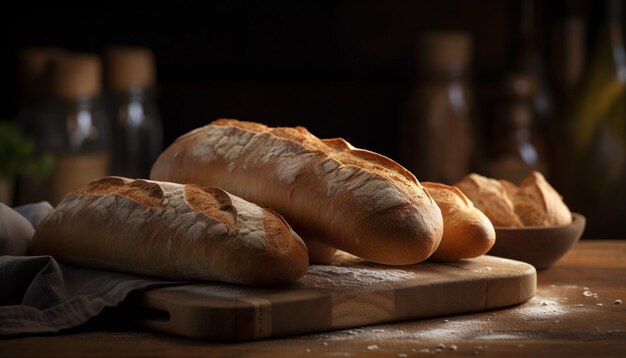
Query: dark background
{"points": [[341, 68]]}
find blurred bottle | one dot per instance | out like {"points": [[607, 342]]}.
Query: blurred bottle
{"points": [[529, 60], [75, 126], [569, 56], [35, 65], [35, 72], [137, 128], [517, 148], [568, 49], [438, 132], [597, 123]]}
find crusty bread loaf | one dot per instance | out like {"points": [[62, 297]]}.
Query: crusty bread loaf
{"points": [[533, 203], [172, 231], [537, 203], [352, 199], [490, 197], [467, 232]]}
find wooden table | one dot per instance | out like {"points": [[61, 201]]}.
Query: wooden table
{"points": [[576, 313]]}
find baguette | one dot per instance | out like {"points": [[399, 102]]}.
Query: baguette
{"points": [[351, 199], [169, 230], [467, 232]]}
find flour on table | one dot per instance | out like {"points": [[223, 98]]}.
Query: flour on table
{"points": [[322, 276]]}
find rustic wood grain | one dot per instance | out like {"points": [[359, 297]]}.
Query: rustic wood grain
{"points": [[559, 321], [360, 293]]}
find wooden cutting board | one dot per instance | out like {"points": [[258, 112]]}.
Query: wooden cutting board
{"points": [[347, 294]]}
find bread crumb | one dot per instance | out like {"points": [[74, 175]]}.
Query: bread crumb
{"points": [[617, 302], [453, 347], [372, 347]]}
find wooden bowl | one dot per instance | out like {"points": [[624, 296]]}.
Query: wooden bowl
{"points": [[538, 246]]}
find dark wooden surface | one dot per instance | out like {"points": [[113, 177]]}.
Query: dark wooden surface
{"points": [[574, 313]]}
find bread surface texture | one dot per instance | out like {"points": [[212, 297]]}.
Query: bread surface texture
{"points": [[348, 198], [168, 230], [467, 232], [534, 202]]}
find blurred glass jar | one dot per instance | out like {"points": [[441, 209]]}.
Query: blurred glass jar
{"points": [[438, 132], [517, 148], [137, 128], [74, 126], [35, 70]]}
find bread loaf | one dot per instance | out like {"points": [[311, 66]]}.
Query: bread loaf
{"points": [[172, 231], [491, 197], [533, 203], [537, 203], [467, 232], [352, 199]]}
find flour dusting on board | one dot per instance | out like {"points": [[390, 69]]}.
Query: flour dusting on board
{"points": [[322, 276]]}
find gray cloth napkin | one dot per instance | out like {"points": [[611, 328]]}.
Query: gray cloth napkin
{"points": [[38, 294]]}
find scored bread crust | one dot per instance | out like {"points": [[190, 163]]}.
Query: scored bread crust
{"points": [[533, 203], [537, 203], [467, 232], [172, 231], [352, 199], [491, 197]]}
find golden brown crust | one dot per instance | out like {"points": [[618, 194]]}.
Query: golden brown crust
{"points": [[139, 190], [352, 199], [467, 232], [319, 253], [537, 203], [490, 197], [193, 233], [212, 202], [337, 148], [533, 203]]}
